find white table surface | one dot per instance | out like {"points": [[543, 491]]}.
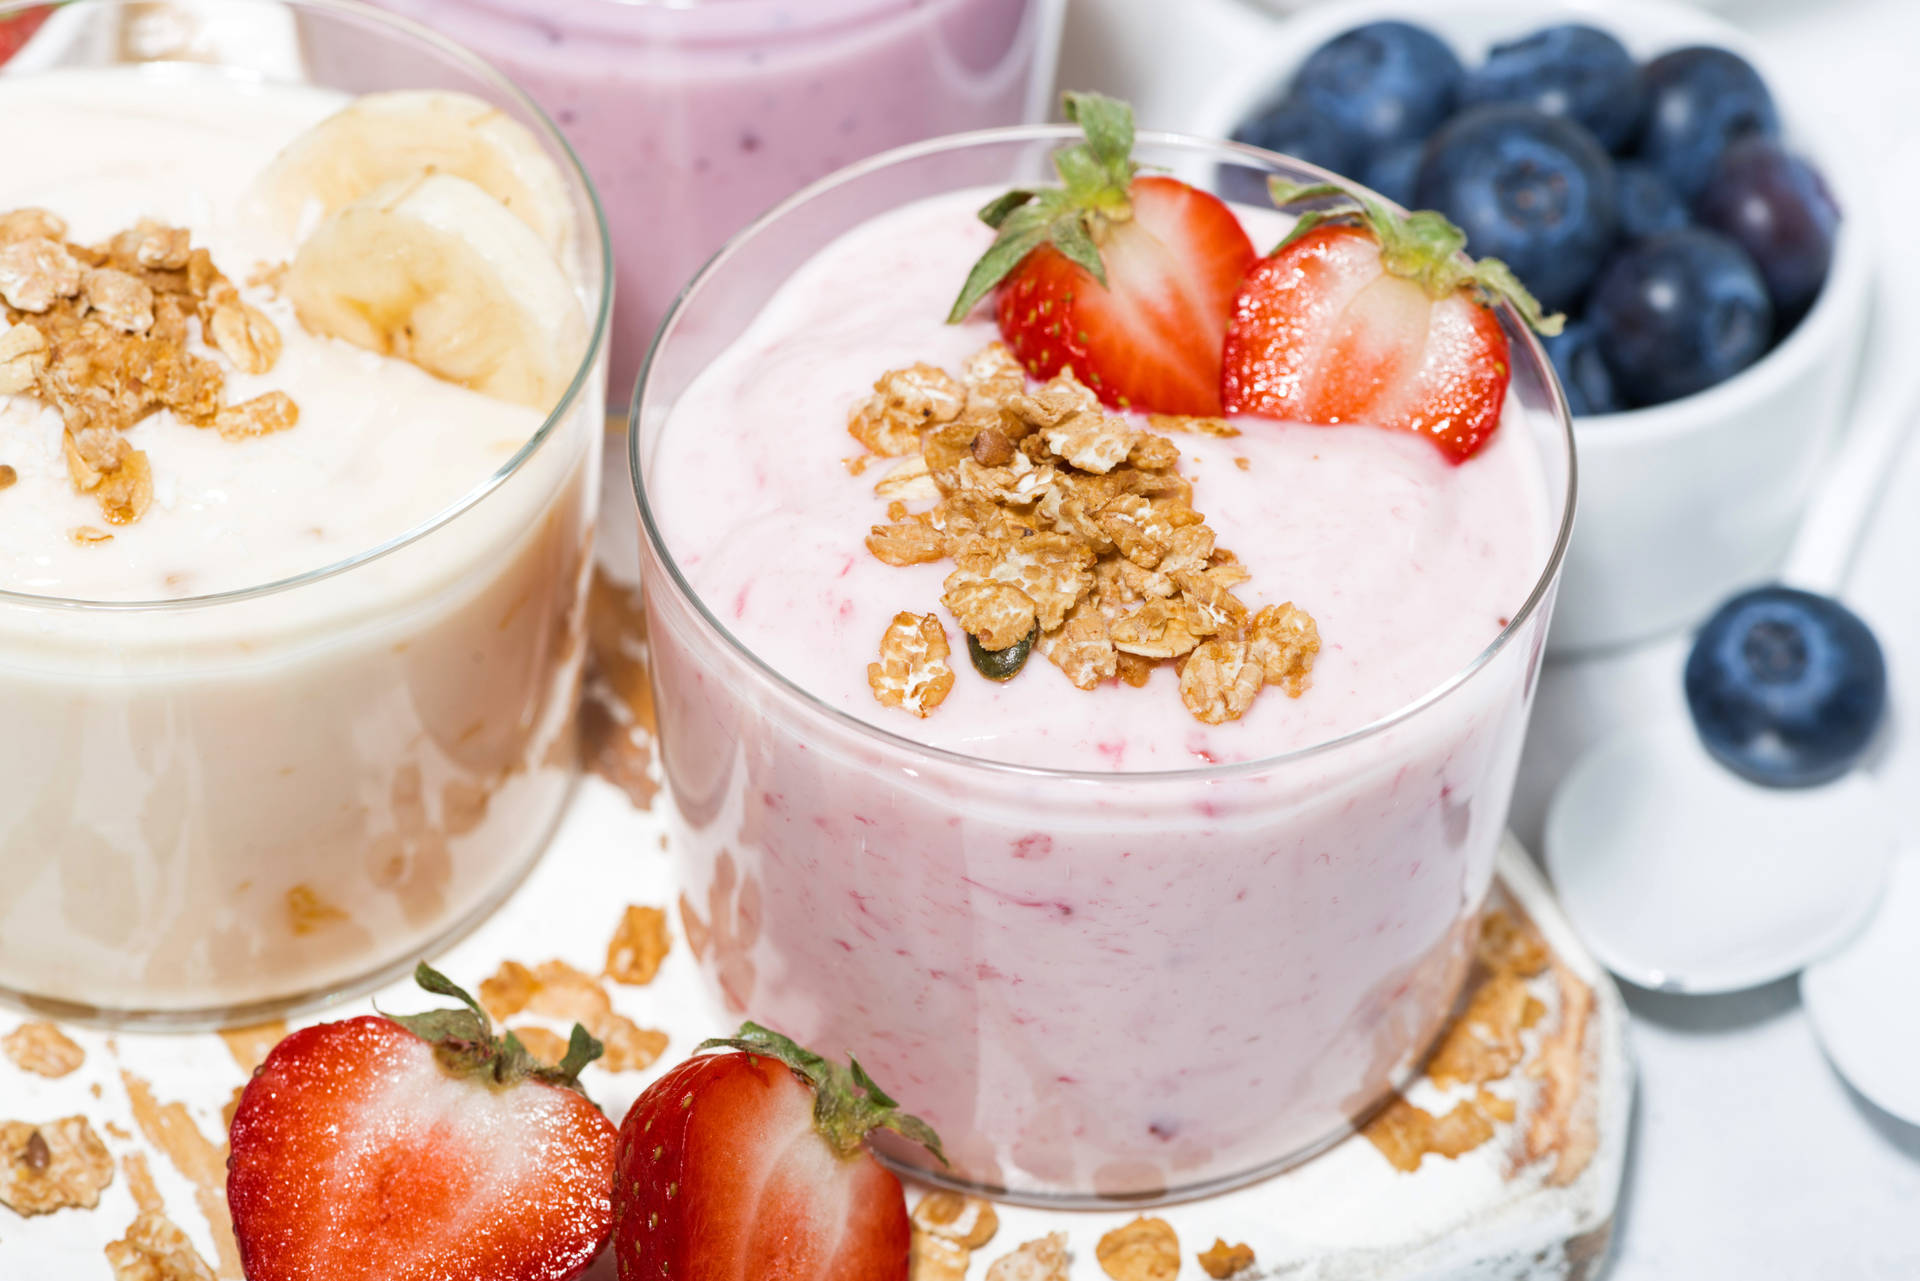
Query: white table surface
{"points": [[1751, 1158]]}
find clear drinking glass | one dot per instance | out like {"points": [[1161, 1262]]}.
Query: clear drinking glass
{"points": [[1095, 986], [218, 807], [693, 116]]}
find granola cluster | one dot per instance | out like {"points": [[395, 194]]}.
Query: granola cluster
{"points": [[101, 333], [1072, 532]]}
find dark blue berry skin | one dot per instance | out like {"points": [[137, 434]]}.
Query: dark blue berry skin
{"points": [[1786, 688], [1571, 70], [1774, 205], [1393, 171], [1648, 203], [1679, 312], [1700, 99], [1534, 190], [1290, 126], [1382, 83], [1584, 376]]}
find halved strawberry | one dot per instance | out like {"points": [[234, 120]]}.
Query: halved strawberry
{"points": [[419, 1148], [18, 28], [751, 1166], [1126, 281], [1367, 315]]}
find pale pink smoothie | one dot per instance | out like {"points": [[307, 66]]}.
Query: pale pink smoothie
{"points": [[693, 118], [1103, 947]]}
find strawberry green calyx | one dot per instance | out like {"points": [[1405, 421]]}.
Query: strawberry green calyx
{"points": [[1095, 175], [1423, 247], [847, 1104], [464, 1044]]}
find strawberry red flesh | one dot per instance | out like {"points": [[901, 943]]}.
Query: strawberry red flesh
{"points": [[357, 1155], [740, 1167], [16, 29], [1380, 322]]}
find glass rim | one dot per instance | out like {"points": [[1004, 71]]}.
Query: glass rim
{"points": [[1254, 157], [567, 405]]}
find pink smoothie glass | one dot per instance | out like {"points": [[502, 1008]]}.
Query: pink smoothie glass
{"points": [[1097, 986], [695, 115]]}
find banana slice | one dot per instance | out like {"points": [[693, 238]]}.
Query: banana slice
{"points": [[383, 137], [435, 271]]}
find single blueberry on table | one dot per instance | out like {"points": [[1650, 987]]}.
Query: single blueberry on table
{"points": [[1290, 126], [1679, 312], [1773, 205], [1648, 203], [1394, 170], [1571, 70], [1700, 99], [1534, 190], [1584, 376], [1786, 687], [1382, 83]]}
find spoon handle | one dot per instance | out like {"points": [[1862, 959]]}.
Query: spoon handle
{"points": [[1845, 497]]}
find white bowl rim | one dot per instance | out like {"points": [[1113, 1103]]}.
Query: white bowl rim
{"points": [[1849, 280]]}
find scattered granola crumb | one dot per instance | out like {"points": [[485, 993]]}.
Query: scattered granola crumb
{"points": [[266, 413], [544, 1044], [1221, 1260], [912, 673], [1564, 1126], [1070, 529], [558, 991], [630, 1047], [638, 946], [1483, 1043], [250, 1045], [8, 476], [1192, 425], [23, 358], [931, 1257], [56, 1166], [115, 1130], [1044, 1259], [1243, 462], [1144, 1250], [308, 912], [508, 991], [89, 535], [42, 1048], [1510, 941], [154, 1249], [146, 1193], [1405, 1134], [968, 1220]]}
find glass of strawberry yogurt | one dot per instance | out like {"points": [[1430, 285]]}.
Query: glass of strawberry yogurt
{"points": [[1109, 948], [293, 552], [694, 116]]}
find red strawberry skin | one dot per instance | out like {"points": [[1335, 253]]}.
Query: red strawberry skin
{"points": [[355, 1157], [1321, 333], [721, 1176], [1150, 338], [18, 28]]}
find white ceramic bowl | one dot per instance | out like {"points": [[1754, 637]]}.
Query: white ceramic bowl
{"points": [[1681, 503]]}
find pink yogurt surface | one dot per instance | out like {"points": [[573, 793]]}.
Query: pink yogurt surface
{"points": [[693, 119], [1123, 983]]}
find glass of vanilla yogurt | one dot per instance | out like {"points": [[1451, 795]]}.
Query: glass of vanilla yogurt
{"points": [[300, 414], [1107, 950]]}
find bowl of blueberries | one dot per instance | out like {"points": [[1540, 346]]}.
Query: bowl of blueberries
{"points": [[1633, 164]]}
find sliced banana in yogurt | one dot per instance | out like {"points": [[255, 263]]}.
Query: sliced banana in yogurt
{"points": [[384, 137], [433, 269]]}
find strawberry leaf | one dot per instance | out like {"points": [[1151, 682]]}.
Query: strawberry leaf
{"points": [[464, 1044], [1422, 246], [1096, 175], [848, 1104]]}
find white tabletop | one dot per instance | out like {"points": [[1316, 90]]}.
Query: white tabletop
{"points": [[1751, 1158]]}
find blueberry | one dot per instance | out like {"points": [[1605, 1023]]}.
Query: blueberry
{"points": [[1648, 203], [1532, 189], [1571, 70], [1786, 687], [1382, 83], [1679, 312], [1773, 205], [1293, 128], [1393, 171], [1575, 352], [1699, 99]]}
